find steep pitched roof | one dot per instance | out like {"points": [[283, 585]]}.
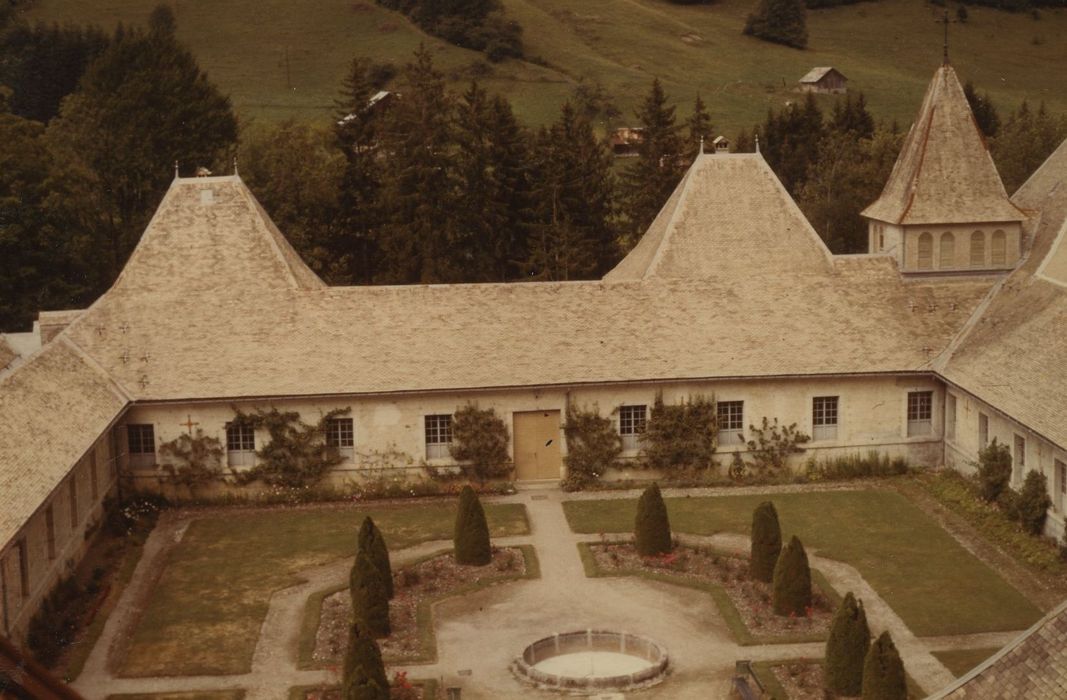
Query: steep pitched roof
{"points": [[944, 174], [729, 216], [1032, 666], [210, 232], [1013, 353], [53, 407]]}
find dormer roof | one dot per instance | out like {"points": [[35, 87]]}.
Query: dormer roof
{"points": [[945, 174]]}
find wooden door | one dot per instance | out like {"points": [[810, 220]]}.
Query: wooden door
{"points": [[537, 454]]}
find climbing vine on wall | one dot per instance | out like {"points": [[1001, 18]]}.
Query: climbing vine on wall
{"points": [[480, 443], [593, 445], [772, 444], [297, 454], [682, 435], [192, 460]]}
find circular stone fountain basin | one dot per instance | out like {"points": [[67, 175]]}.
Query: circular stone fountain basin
{"points": [[592, 659]]}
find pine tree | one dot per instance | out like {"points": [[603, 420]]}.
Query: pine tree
{"points": [[790, 141], [418, 195], [1024, 142], [364, 673], [142, 105], [370, 600], [766, 542], [652, 528], [700, 128], [494, 176], [573, 188], [779, 21], [846, 648], [371, 540], [358, 132], [471, 535], [656, 171], [985, 113], [792, 581], [883, 672]]}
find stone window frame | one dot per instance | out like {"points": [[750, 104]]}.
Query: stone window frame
{"points": [[825, 417], [632, 421], [730, 416], [341, 433], [920, 413], [438, 435]]}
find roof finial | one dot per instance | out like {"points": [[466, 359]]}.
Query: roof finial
{"points": [[235, 164], [757, 142], [176, 170], [945, 21], [701, 145]]}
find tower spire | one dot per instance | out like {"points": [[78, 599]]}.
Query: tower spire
{"points": [[945, 21]]}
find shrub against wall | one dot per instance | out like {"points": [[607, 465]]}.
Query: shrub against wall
{"points": [[994, 470], [297, 454], [772, 444], [480, 441], [593, 445], [1033, 503], [681, 436], [192, 461], [856, 466]]}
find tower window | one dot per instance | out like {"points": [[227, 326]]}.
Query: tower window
{"points": [[926, 251], [978, 249], [999, 250], [948, 251]]}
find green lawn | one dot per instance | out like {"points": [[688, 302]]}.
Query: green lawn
{"points": [[933, 583], [204, 614], [280, 59], [960, 661]]}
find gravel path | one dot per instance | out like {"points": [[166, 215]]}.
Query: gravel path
{"points": [[479, 634]]}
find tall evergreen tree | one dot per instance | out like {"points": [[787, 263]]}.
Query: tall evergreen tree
{"points": [[846, 648], [494, 176], [370, 599], [700, 128], [766, 542], [358, 130], [143, 105], [652, 177], [419, 186], [850, 116], [790, 139], [573, 236], [779, 21], [792, 580], [364, 673], [883, 671], [370, 540], [985, 113], [1023, 143], [470, 537]]}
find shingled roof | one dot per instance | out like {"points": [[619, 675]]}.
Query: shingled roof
{"points": [[1031, 667], [1013, 354], [945, 174]]}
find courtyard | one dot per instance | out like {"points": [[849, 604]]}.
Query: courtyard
{"points": [[227, 603]]}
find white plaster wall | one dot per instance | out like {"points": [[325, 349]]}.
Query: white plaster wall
{"points": [[961, 453], [70, 543]]}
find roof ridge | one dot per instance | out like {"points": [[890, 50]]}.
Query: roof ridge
{"points": [[668, 233], [89, 360], [272, 237]]}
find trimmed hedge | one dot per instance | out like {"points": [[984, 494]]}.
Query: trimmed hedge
{"points": [[652, 528], [846, 649], [766, 542], [371, 540], [792, 581], [370, 604], [883, 672], [471, 535], [364, 672]]}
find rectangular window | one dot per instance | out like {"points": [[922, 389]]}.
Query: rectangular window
{"points": [[983, 431], [142, 442], [438, 435], [240, 445], [1018, 458], [731, 415], [1061, 484], [824, 418], [920, 413], [950, 416], [632, 420], [341, 434], [73, 486], [50, 531], [94, 485], [24, 568]]}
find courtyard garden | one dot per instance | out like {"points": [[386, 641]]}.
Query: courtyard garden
{"points": [[204, 613]]}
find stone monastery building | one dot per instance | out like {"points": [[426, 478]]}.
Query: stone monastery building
{"points": [[950, 332]]}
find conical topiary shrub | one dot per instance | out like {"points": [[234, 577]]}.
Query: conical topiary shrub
{"points": [[846, 648], [883, 672], [471, 536], [766, 542], [792, 580], [370, 604], [364, 673], [652, 529], [371, 540]]}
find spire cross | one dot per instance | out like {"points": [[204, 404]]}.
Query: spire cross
{"points": [[945, 21]]}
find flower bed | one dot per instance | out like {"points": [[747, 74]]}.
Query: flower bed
{"points": [[401, 688], [801, 680], [417, 586], [751, 598]]}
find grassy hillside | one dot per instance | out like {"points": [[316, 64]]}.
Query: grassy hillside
{"points": [[887, 48]]}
